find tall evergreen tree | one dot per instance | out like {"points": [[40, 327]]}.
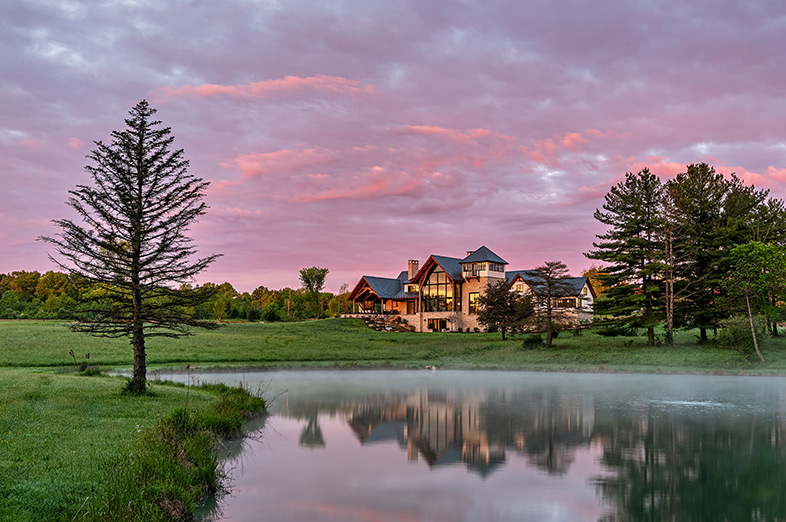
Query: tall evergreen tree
{"points": [[714, 214], [133, 244], [633, 249]]}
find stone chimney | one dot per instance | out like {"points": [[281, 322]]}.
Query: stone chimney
{"points": [[412, 268]]}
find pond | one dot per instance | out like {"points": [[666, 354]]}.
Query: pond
{"points": [[503, 446]]}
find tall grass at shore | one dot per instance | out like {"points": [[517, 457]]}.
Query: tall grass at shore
{"points": [[75, 448]]}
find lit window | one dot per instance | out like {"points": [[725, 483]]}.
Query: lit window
{"points": [[473, 303], [438, 293], [520, 287]]}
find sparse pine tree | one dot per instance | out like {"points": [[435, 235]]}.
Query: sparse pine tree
{"points": [[132, 241]]}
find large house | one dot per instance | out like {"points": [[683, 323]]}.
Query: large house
{"points": [[442, 295]]}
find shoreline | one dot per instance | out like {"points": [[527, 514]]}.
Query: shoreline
{"points": [[361, 366]]}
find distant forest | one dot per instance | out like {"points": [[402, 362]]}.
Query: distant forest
{"points": [[55, 295]]}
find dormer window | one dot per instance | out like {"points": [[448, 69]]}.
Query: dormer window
{"points": [[474, 269]]}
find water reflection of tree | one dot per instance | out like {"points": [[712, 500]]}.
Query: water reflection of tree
{"points": [[311, 436], [670, 466]]}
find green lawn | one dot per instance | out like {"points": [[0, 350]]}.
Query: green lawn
{"points": [[60, 432], [349, 343]]}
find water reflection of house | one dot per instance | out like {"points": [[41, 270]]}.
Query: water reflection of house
{"points": [[477, 430]]}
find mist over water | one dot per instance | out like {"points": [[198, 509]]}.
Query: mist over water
{"points": [[499, 446]]}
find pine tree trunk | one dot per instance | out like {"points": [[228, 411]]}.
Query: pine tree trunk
{"points": [[138, 385], [648, 312], [669, 244], [670, 311]]}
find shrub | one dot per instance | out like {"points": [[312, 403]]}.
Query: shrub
{"points": [[735, 333], [92, 371], [532, 341]]}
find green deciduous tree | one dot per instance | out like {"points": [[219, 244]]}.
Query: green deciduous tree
{"points": [[313, 281], [132, 245], [633, 250]]}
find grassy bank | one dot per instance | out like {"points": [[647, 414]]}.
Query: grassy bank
{"points": [[349, 343], [72, 447]]}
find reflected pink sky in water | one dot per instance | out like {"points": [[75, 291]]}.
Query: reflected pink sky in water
{"points": [[348, 481]]}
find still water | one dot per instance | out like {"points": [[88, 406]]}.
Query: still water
{"points": [[504, 446]]}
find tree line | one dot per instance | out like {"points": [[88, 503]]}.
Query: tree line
{"points": [[675, 253], [57, 295]]}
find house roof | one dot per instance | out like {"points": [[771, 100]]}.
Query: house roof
{"points": [[385, 287], [483, 254], [569, 286], [451, 266]]}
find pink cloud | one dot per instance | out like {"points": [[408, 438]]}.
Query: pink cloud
{"points": [[375, 184], [285, 161], [772, 177], [572, 139], [550, 151], [75, 143], [265, 88], [456, 135], [660, 167]]}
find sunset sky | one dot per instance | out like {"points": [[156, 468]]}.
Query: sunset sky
{"points": [[357, 134]]}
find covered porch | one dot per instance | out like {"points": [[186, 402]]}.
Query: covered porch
{"points": [[376, 295]]}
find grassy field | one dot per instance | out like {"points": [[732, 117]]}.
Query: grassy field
{"points": [[64, 436], [60, 432], [349, 343]]}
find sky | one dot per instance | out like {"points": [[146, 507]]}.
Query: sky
{"points": [[357, 134]]}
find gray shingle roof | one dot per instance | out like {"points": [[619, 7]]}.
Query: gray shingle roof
{"points": [[390, 288], [483, 254], [571, 288], [451, 266], [384, 287]]}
